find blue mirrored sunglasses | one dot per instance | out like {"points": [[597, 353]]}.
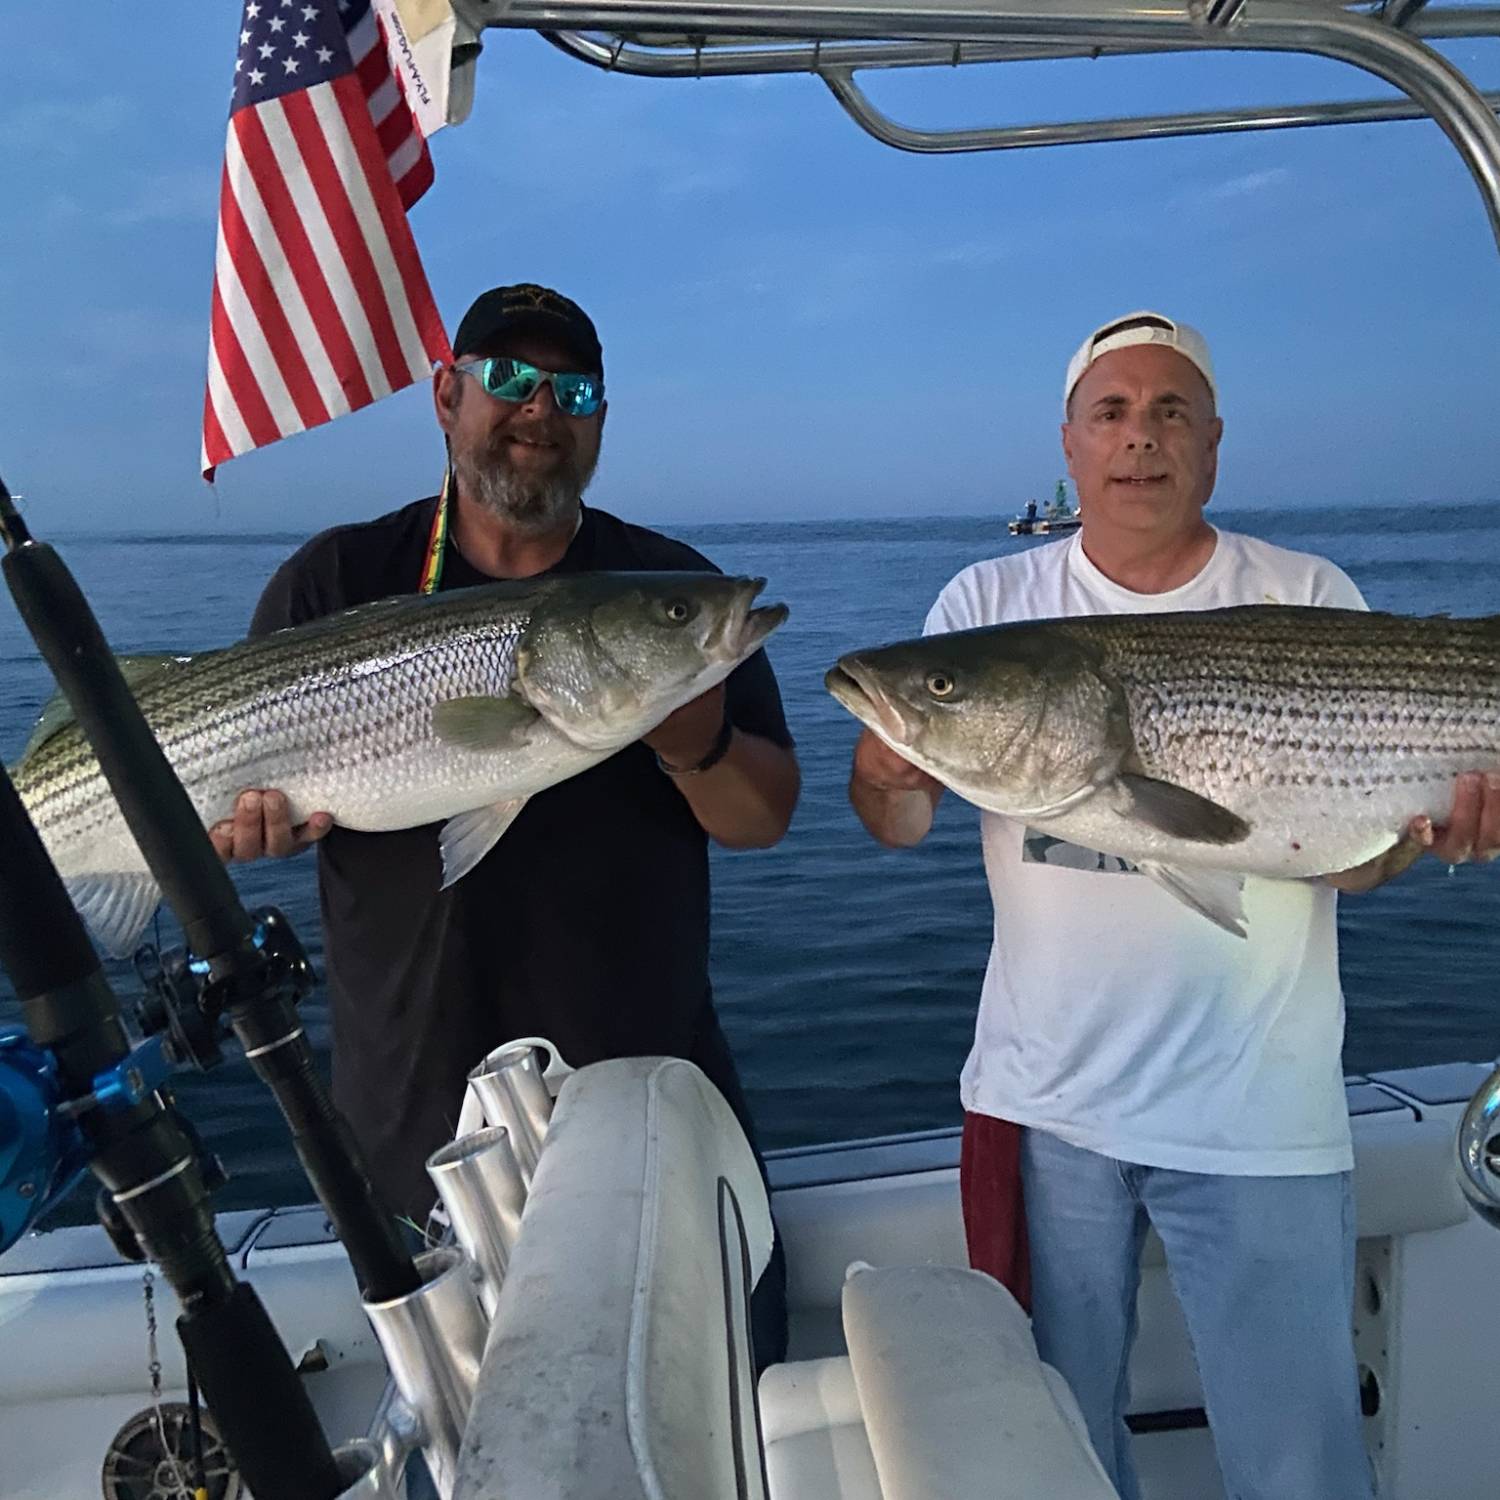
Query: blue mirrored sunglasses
{"points": [[514, 380]]}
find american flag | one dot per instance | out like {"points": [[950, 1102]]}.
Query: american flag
{"points": [[320, 303]]}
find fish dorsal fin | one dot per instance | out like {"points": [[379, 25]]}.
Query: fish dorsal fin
{"points": [[1176, 811], [482, 723], [57, 712], [467, 838]]}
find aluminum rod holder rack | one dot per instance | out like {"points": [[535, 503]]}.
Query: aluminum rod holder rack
{"points": [[1304, 26]]}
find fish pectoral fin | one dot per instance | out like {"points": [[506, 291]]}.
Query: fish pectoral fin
{"points": [[482, 723], [468, 837], [1174, 810], [1215, 894], [115, 908]]}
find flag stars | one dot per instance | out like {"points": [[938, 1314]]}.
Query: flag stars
{"points": [[256, 76], [251, 12], [290, 64], [325, 54], [267, 50], [309, 13], [276, 23], [300, 40], [244, 38]]}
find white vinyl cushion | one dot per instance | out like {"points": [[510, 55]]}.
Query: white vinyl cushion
{"points": [[608, 1369], [957, 1405], [816, 1448]]}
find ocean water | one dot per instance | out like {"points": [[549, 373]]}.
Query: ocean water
{"points": [[847, 975]]}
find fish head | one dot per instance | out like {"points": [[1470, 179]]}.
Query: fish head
{"points": [[1011, 718], [607, 658]]}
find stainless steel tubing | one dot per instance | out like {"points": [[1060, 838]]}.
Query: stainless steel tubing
{"points": [[479, 1180], [513, 1093], [1127, 128], [433, 1340], [1270, 26], [363, 1472], [1478, 1140]]}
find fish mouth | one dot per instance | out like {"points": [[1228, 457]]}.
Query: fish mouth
{"points": [[745, 624], [853, 683]]}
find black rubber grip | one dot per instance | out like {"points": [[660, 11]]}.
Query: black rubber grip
{"points": [[258, 1401], [33, 906]]}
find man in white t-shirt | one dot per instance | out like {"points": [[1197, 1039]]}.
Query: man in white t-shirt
{"points": [[1132, 1063]]}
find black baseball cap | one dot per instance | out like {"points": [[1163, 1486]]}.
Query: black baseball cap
{"points": [[528, 308]]}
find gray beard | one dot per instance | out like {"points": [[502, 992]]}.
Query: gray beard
{"points": [[531, 508]]}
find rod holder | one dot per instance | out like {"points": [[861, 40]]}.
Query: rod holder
{"points": [[513, 1093], [363, 1472], [479, 1180], [433, 1340]]}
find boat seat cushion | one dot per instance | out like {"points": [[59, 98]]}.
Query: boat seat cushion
{"points": [[814, 1434], [618, 1362], [957, 1404]]}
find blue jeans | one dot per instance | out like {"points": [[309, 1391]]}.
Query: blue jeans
{"points": [[1263, 1268]]}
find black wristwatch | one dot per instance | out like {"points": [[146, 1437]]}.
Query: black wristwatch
{"points": [[716, 752]]}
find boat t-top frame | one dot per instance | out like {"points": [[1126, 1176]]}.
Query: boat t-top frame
{"points": [[836, 39]]}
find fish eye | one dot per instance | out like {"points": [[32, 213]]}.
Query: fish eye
{"points": [[678, 611], [940, 684]]}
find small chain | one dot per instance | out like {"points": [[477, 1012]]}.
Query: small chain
{"points": [[153, 1364]]}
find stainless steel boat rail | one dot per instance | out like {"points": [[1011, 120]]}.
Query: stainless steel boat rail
{"points": [[834, 38]]}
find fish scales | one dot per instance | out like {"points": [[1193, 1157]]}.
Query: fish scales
{"points": [[255, 715], [1325, 700], [1276, 740], [452, 709]]}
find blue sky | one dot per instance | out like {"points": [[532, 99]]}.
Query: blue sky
{"points": [[797, 321]]}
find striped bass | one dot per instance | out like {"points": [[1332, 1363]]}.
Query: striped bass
{"points": [[1272, 740], [452, 708]]}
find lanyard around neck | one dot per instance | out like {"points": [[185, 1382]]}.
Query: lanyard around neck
{"points": [[437, 541]]}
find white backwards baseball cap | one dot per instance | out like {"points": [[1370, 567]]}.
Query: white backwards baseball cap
{"points": [[1141, 328]]}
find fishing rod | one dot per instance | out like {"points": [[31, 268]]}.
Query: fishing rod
{"points": [[74, 1092], [244, 976]]}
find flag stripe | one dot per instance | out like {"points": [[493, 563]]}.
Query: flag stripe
{"points": [[411, 185], [386, 101], [374, 196], [276, 301], [215, 445], [226, 410], [328, 346], [349, 311], [239, 379], [415, 295], [306, 123]]}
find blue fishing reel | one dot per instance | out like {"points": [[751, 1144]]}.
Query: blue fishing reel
{"points": [[42, 1150]]}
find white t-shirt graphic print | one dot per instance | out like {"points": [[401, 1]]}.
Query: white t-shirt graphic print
{"points": [[1112, 1015]]}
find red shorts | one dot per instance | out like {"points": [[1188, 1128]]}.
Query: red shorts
{"points": [[989, 1183]]}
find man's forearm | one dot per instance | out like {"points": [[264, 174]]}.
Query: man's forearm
{"points": [[746, 800], [896, 818]]}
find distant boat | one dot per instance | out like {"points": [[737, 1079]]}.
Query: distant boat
{"points": [[1057, 517]]}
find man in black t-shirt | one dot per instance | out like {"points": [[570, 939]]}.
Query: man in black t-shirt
{"points": [[588, 922]]}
